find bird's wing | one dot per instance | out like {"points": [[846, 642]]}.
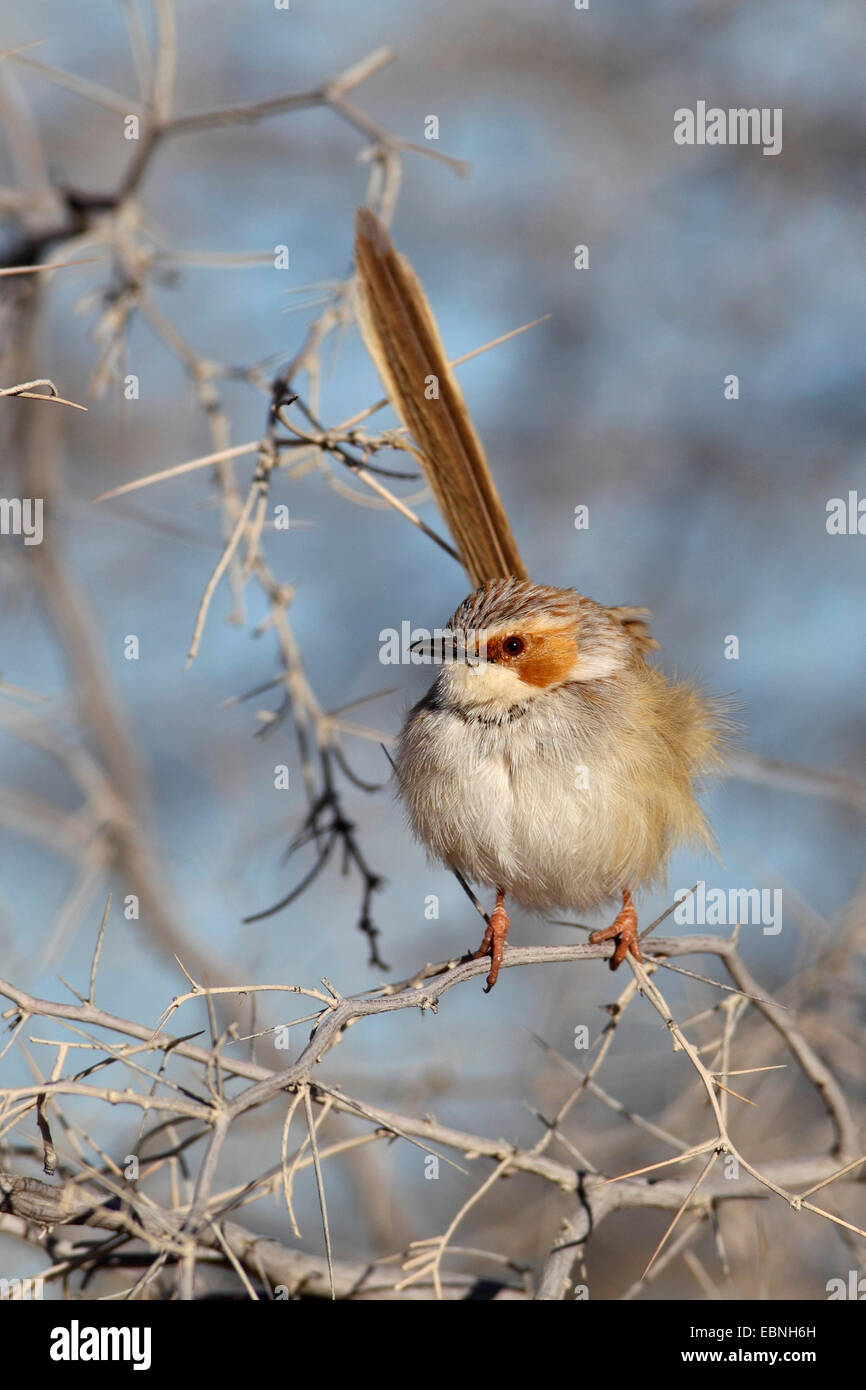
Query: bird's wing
{"points": [[402, 338], [635, 621]]}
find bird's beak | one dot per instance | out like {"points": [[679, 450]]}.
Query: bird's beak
{"points": [[429, 649], [446, 647]]}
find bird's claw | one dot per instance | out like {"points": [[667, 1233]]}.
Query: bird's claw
{"points": [[493, 944], [624, 929]]}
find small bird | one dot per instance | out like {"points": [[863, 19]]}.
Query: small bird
{"points": [[550, 760]]}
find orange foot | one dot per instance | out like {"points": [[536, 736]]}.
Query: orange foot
{"points": [[624, 928], [494, 940]]}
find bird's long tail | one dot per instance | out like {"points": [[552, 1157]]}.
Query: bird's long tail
{"points": [[402, 338]]}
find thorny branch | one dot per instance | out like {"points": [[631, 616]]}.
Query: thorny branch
{"points": [[167, 1232], [112, 226], [165, 1214]]}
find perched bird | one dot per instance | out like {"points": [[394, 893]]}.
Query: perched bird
{"points": [[550, 760]]}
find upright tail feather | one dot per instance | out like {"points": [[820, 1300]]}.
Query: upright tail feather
{"points": [[402, 338]]}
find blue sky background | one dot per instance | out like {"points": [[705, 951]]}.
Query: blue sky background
{"points": [[703, 262]]}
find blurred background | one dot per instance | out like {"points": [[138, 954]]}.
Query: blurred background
{"points": [[703, 262]]}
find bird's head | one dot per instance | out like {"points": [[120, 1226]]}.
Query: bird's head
{"points": [[513, 641]]}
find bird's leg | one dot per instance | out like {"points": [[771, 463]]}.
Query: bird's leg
{"points": [[624, 928], [494, 939]]}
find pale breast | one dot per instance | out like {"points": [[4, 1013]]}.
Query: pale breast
{"points": [[525, 806]]}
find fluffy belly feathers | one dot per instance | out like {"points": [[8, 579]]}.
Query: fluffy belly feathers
{"points": [[525, 808]]}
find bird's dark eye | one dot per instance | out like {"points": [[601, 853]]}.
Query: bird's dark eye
{"points": [[513, 645]]}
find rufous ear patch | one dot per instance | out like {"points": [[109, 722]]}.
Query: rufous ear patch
{"points": [[548, 657]]}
